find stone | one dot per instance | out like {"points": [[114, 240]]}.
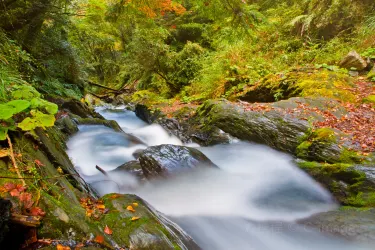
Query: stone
{"points": [[353, 60], [167, 160]]}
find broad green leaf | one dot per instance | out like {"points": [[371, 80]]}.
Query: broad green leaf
{"points": [[51, 108], [6, 111], [44, 120], [19, 105], [3, 133], [28, 124], [25, 92], [38, 120]]}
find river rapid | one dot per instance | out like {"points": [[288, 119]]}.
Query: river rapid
{"points": [[252, 202]]}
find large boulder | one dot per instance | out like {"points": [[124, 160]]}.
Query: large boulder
{"points": [[353, 60], [132, 167], [166, 160]]}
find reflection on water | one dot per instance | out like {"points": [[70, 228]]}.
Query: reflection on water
{"points": [[230, 208]]}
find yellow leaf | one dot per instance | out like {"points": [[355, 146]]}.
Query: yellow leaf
{"points": [[100, 206], [59, 169], [130, 208], [135, 218], [4, 153], [135, 204]]}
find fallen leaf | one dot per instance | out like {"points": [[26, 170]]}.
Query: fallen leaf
{"points": [[39, 163], [60, 171], [99, 239], [37, 211], [4, 153], [14, 192], [100, 206], [135, 204], [135, 218], [61, 247], [26, 200], [130, 208], [107, 230], [9, 186]]}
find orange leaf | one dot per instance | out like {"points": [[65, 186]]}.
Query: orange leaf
{"points": [[107, 230], [37, 211], [135, 218], [9, 186], [100, 206], [99, 239], [14, 192], [130, 208], [61, 247]]}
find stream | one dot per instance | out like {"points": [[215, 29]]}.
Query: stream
{"points": [[251, 202]]}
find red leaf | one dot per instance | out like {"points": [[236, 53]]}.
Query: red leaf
{"points": [[14, 193], [107, 230], [99, 239], [26, 200], [39, 163], [9, 186], [37, 211]]}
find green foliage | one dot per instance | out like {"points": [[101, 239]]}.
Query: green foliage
{"points": [[26, 111]]}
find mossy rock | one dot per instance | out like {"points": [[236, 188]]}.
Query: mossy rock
{"points": [[149, 231], [352, 185]]}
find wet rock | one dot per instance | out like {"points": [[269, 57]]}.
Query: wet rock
{"points": [[353, 60], [353, 224], [67, 125], [150, 231], [78, 108], [132, 167], [137, 153], [166, 160], [275, 129], [352, 185], [146, 114]]}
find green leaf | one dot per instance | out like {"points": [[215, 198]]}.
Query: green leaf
{"points": [[19, 105], [38, 120], [50, 107], [28, 124], [25, 92], [6, 111], [3, 133]]}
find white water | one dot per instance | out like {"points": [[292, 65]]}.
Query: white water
{"points": [[250, 203]]}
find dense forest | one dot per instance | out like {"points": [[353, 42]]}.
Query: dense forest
{"points": [[191, 61]]}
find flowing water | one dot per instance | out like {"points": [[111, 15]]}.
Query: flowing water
{"points": [[251, 202]]}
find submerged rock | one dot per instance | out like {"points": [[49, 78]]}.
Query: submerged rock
{"points": [[353, 224], [131, 167], [165, 160]]}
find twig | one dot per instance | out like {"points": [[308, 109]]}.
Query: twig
{"points": [[101, 170], [14, 161]]}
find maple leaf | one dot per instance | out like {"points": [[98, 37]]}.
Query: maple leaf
{"points": [[37, 211], [107, 230]]}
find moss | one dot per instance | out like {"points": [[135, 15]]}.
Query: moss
{"points": [[301, 83], [324, 134], [349, 156], [369, 99], [302, 150]]}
